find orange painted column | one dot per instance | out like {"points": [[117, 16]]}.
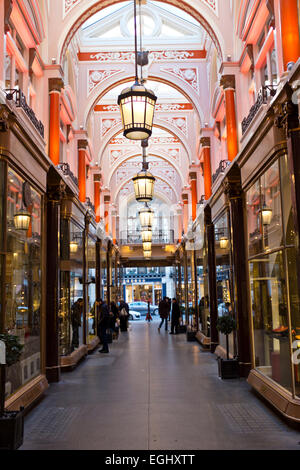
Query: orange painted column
{"points": [[179, 215], [193, 182], [205, 142], [228, 84], [97, 192], [290, 33], [106, 213], [82, 146], [185, 200], [114, 226], [55, 86]]}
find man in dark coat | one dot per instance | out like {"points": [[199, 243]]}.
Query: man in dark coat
{"points": [[76, 313], [103, 325], [164, 312], [175, 317], [123, 315]]}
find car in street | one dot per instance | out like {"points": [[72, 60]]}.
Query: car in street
{"points": [[133, 316], [142, 307]]}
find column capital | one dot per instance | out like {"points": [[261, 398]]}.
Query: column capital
{"points": [[193, 175], [56, 192], [55, 84], [205, 142], [97, 178], [228, 82], [286, 116], [82, 144]]}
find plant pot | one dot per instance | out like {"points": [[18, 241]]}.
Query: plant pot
{"points": [[228, 368], [12, 430], [191, 335], [182, 329]]}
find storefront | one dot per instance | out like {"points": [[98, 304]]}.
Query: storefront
{"points": [[23, 169]]}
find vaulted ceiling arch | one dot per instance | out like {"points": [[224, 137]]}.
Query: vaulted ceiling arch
{"points": [[110, 83], [171, 129], [158, 178], [120, 162], [87, 9]]}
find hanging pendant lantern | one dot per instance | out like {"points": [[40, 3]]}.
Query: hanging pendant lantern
{"points": [[147, 236], [73, 247], [224, 243], [22, 220], [144, 186], [147, 246], [266, 214], [146, 216], [137, 106]]}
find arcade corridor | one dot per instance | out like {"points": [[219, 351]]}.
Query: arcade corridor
{"points": [[152, 392]]}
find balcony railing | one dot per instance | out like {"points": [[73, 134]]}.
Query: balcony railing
{"points": [[19, 98], [221, 169], [159, 237], [65, 169], [262, 98]]}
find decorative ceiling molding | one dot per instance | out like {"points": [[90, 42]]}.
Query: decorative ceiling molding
{"points": [[188, 74], [154, 56], [95, 77], [160, 107], [93, 8]]}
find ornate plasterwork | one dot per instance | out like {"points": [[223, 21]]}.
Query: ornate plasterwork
{"points": [[154, 56], [97, 76], [179, 122], [188, 74], [69, 4], [160, 107], [107, 124]]}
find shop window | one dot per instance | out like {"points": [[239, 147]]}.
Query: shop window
{"points": [[91, 290], [270, 318], [224, 276], [274, 274], [23, 276]]}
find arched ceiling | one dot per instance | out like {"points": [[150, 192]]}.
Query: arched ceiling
{"points": [[87, 8]]}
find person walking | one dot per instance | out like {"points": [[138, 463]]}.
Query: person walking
{"points": [[148, 316], [104, 324], [76, 313], [123, 315], [175, 317], [164, 312]]}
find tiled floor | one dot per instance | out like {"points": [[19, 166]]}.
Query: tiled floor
{"points": [[153, 391]]}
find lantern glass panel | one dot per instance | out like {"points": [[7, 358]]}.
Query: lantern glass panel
{"points": [[147, 236], [147, 246], [147, 254], [22, 220]]}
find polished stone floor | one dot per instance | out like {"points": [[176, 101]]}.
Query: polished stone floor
{"points": [[153, 391]]}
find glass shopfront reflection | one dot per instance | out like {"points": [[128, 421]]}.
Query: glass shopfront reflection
{"points": [[76, 284], [274, 274], [91, 290], [225, 296], [23, 279]]}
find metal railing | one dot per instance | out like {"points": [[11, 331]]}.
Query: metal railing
{"points": [[221, 169], [65, 169], [262, 98], [19, 98], [159, 237]]}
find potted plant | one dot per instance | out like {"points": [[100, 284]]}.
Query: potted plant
{"points": [[191, 331], [182, 326], [11, 422], [228, 368]]}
